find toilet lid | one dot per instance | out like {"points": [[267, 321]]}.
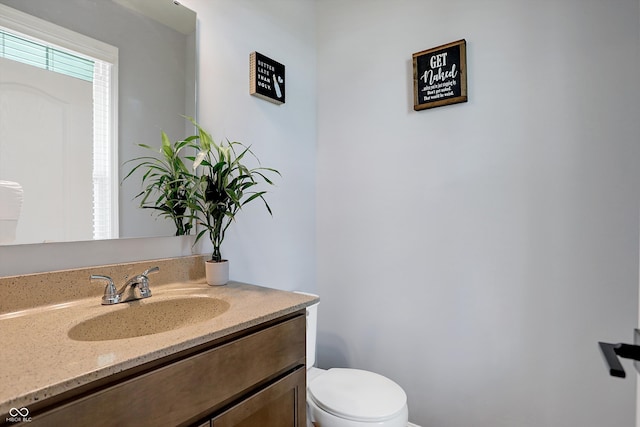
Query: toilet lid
{"points": [[357, 395]]}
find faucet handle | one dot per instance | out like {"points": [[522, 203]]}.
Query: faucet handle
{"points": [[151, 270], [145, 292], [110, 293]]}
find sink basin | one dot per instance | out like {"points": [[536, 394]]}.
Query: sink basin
{"points": [[148, 317]]}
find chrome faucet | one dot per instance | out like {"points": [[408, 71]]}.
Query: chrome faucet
{"points": [[139, 283]]}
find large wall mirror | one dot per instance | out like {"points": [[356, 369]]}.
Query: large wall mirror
{"points": [[53, 124]]}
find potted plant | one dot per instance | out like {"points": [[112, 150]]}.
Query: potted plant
{"points": [[222, 187], [167, 183]]}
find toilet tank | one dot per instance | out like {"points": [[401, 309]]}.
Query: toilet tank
{"points": [[11, 195], [312, 329]]}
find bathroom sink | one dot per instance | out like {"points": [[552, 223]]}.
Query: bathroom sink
{"points": [[148, 317]]}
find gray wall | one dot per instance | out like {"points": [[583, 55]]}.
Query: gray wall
{"points": [[476, 253], [276, 251]]}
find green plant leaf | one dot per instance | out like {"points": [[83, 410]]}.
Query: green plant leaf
{"points": [[209, 198], [166, 146]]}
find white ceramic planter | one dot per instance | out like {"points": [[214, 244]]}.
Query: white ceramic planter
{"points": [[217, 272]]}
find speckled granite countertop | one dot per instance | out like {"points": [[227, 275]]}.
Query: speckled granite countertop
{"points": [[39, 360]]}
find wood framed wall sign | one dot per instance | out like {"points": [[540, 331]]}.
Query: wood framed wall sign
{"points": [[440, 76], [266, 78]]}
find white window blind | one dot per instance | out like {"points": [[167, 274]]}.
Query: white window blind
{"points": [[103, 228], [21, 49]]}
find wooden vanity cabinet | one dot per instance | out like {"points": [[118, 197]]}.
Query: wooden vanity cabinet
{"points": [[255, 378]]}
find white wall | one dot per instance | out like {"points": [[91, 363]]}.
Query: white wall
{"points": [[476, 253]]}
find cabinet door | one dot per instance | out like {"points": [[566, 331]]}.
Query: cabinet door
{"points": [[282, 404]]}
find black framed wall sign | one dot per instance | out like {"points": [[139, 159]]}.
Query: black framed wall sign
{"points": [[440, 76], [266, 77]]}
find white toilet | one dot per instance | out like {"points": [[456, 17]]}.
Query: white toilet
{"points": [[349, 397]]}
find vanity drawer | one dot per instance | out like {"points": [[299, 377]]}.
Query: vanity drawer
{"points": [[191, 388]]}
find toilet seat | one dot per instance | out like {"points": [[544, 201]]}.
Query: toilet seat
{"points": [[357, 395]]}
